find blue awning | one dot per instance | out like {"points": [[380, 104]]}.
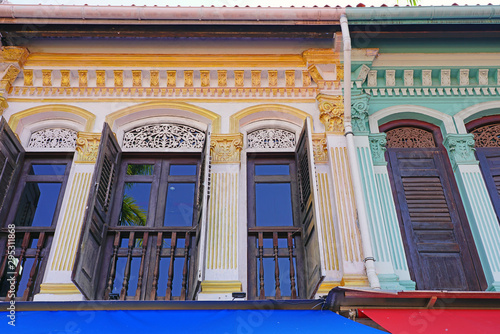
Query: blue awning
{"points": [[180, 321]]}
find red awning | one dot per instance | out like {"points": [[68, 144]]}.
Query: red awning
{"points": [[430, 321]]}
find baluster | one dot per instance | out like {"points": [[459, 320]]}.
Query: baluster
{"points": [[141, 269], [276, 265], [170, 280], [292, 269], [159, 242], [126, 276], [34, 267], [112, 273], [24, 246], [186, 266], [262, 294]]}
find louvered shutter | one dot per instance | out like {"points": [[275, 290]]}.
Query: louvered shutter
{"points": [[433, 221], [489, 160], [309, 211], [95, 224], [11, 161], [202, 216]]}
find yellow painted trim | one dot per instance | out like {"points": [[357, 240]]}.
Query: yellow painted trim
{"points": [[221, 286], [162, 60], [325, 287], [213, 117], [87, 115], [201, 100], [59, 289], [234, 120], [355, 280]]}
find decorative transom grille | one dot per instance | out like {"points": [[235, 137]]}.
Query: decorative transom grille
{"points": [[410, 137], [164, 136], [53, 138], [487, 136], [271, 138]]}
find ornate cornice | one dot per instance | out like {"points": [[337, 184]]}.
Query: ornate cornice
{"points": [[14, 54], [359, 111], [320, 150], [3, 104], [8, 77], [87, 146], [331, 112], [226, 148], [378, 144], [461, 149]]}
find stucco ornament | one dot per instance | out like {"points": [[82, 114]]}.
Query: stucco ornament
{"points": [[53, 138], [87, 147], [164, 136], [271, 138], [359, 110], [226, 148], [378, 144], [461, 149], [331, 113]]}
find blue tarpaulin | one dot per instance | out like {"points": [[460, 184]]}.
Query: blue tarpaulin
{"points": [[180, 321]]}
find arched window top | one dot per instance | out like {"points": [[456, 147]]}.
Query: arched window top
{"points": [[160, 136], [53, 139], [410, 137], [271, 138], [487, 135]]}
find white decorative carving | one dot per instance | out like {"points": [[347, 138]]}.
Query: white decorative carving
{"points": [[271, 138], [426, 77], [483, 77], [464, 77], [390, 78], [445, 78], [363, 73], [53, 138], [164, 136], [372, 78], [408, 78]]}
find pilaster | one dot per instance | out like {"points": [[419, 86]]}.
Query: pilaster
{"points": [[221, 266], [57, 284], [480, 212]]}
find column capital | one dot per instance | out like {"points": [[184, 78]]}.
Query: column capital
{"points": [[3, 104], [359, 111], [461, 149], [378, 142], [87, 146], [331, 112], [226, 148], [320, 149]]}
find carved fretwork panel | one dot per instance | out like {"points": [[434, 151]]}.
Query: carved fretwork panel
{"points": [[487, 136], [410, 137], [271, 138], [53, 138], [164, 136]]}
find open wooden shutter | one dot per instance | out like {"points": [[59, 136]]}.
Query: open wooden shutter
{"points": [[309, 211], [11, 161], [88, 260], [201, 228], [440, 251], [489, 160]]}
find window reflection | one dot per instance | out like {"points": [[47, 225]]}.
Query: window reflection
{"points": [[139, 169], [179, 207], [272, 170], [47, 169], [183, 170], [37, 204], [135, 204], [273, 204]]}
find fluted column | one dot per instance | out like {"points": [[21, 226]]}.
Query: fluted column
{"points": [[57, 284], [221, 253], [480, 212]]}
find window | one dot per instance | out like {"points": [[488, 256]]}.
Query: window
{"points": [[151, 231], [274, 234], [284, 259], [141, 233], [35, 208]]}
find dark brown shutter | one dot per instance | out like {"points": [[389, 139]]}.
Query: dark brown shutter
{"points": [[439, 248], [489, 160], [87, 265], [11, 161], [309, 211], [198, 257]]}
